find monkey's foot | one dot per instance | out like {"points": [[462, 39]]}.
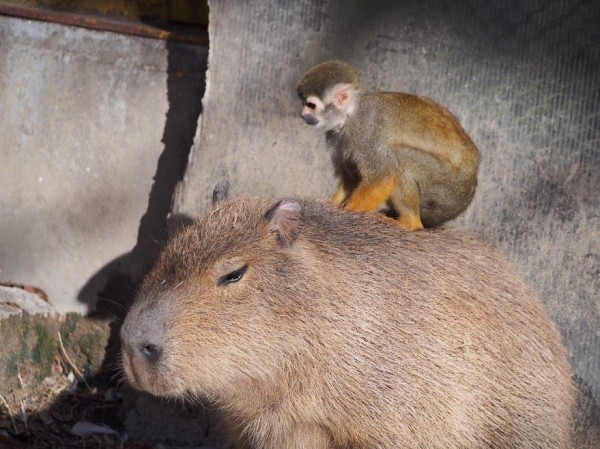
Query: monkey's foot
{"points": [[412, 223]]}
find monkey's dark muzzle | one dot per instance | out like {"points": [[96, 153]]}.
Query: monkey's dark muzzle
{"points": [[310, 119]]}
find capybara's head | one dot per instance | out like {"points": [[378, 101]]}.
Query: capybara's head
{"points": [[207, 312]]}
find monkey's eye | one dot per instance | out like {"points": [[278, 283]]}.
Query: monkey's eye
{"points": [[311, 105], [232, 277]]}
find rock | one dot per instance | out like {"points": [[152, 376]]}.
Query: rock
{"points": [[30, 356], [17, 301]]}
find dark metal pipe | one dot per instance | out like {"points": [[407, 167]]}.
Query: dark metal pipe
{"points": [[197, 37]]}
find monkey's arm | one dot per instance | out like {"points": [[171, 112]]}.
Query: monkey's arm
{"points": [[376, 169], [345, 171]]}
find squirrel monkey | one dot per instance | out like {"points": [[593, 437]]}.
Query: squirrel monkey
{"points": [[390, 148]]}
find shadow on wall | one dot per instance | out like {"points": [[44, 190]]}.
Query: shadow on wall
{"points": [[111, 289]]}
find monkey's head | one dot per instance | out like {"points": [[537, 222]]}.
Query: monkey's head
{"points": [[328, 92]]}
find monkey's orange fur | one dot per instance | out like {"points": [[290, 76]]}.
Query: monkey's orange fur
{"points": [[368, 197]]}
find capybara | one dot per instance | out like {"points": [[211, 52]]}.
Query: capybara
{"points": [[312, 327]]}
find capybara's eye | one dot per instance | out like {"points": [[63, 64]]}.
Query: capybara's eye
{"points": [[232, 277]]}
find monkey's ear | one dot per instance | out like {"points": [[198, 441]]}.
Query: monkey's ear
{"points": [[343, 95], [285, 221], [220, 193]]}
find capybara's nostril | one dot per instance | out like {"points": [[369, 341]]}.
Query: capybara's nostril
{"points": [[151, 352]]}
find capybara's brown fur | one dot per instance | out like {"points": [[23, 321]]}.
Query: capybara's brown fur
{"points": [[312, 327]]}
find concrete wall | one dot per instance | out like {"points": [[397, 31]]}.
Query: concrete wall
{"points": [[87, 120], [523, 77]]}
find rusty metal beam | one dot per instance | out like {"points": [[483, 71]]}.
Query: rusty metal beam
{"points": [[197, 36]]}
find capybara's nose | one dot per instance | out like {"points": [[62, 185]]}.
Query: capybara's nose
{"points": [[150, 352], [144, 336]]}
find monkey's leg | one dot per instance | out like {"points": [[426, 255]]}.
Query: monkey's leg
{"points": [[368, 197], [406, 201], [339, 196]]}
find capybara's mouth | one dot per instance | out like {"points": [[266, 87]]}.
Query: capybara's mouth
{"points": [[144, 377], [152, 382]]}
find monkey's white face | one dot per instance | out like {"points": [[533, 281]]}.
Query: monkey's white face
{"points": [[312, 112], [330, 112]]}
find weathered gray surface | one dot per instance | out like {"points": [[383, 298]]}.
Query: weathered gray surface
{"points": [[82, 126], [523, 79], [30, 353], [16, 301]]}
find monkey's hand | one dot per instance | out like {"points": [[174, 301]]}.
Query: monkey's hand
{"points": [[339, 196]]}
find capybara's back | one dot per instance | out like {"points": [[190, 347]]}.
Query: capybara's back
{"points": [[312, 327]]}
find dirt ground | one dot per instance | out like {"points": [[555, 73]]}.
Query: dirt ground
{"points": [[63, 412], [54, 419]]}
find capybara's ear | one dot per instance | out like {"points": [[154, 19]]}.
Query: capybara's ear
{"points": [[220, 193], [285, 221]]}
